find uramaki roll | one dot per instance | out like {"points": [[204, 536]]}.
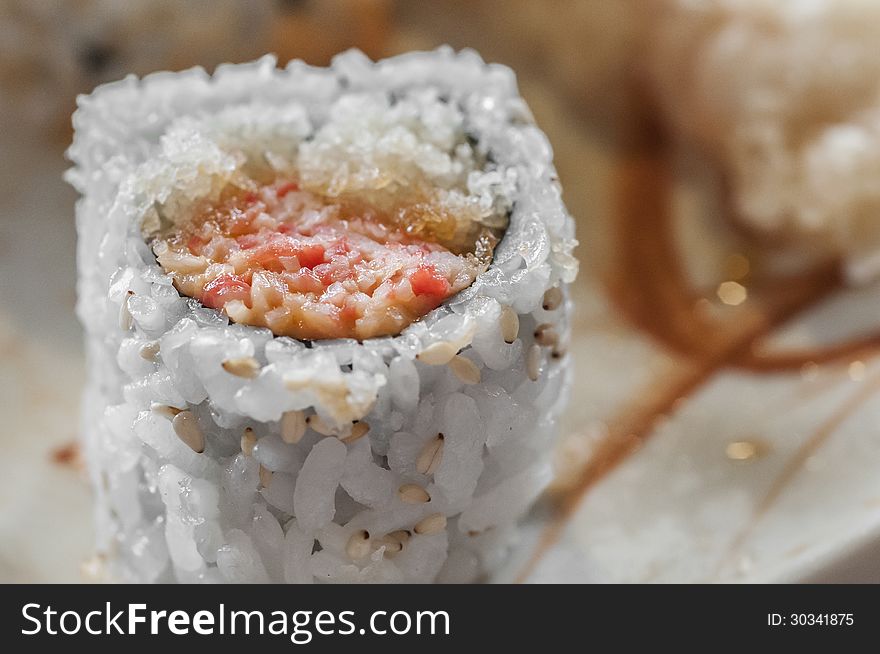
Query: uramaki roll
{"points": [[326, 319]]}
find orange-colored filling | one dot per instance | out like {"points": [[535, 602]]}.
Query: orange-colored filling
{"points": [[306, 267]]}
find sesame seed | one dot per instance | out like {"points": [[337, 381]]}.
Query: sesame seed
{"points": [[358, 545], [465, 369], [186, 426], [431, 456], [246, 367], [546, 335], [265, 476], [533, 362], [413, 494], [391, 546], [248, 440], [125, 319], [149, 351], [434, 523], [552, 299], [401, 535], [394, 541], [358, 431], [509, 321], [437, 354], [293, 426], [165, 410], [318, 424]]}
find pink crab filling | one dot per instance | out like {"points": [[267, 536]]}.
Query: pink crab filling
{"points": [[287, 259]]}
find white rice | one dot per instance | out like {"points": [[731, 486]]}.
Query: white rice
{"points": [[287, 512]]}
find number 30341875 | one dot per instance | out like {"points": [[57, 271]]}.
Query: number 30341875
{"points": [[810, 619]]}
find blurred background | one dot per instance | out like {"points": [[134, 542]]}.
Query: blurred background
{"points": [[724, 357]]}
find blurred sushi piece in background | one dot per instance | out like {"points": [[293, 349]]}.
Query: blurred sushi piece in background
{"points": [[784, 97]]}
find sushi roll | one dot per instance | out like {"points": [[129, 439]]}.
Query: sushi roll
{"points": [[326, 319]]}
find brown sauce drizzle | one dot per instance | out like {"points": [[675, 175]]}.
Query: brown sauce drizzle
{"points": [[646, 283]]}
